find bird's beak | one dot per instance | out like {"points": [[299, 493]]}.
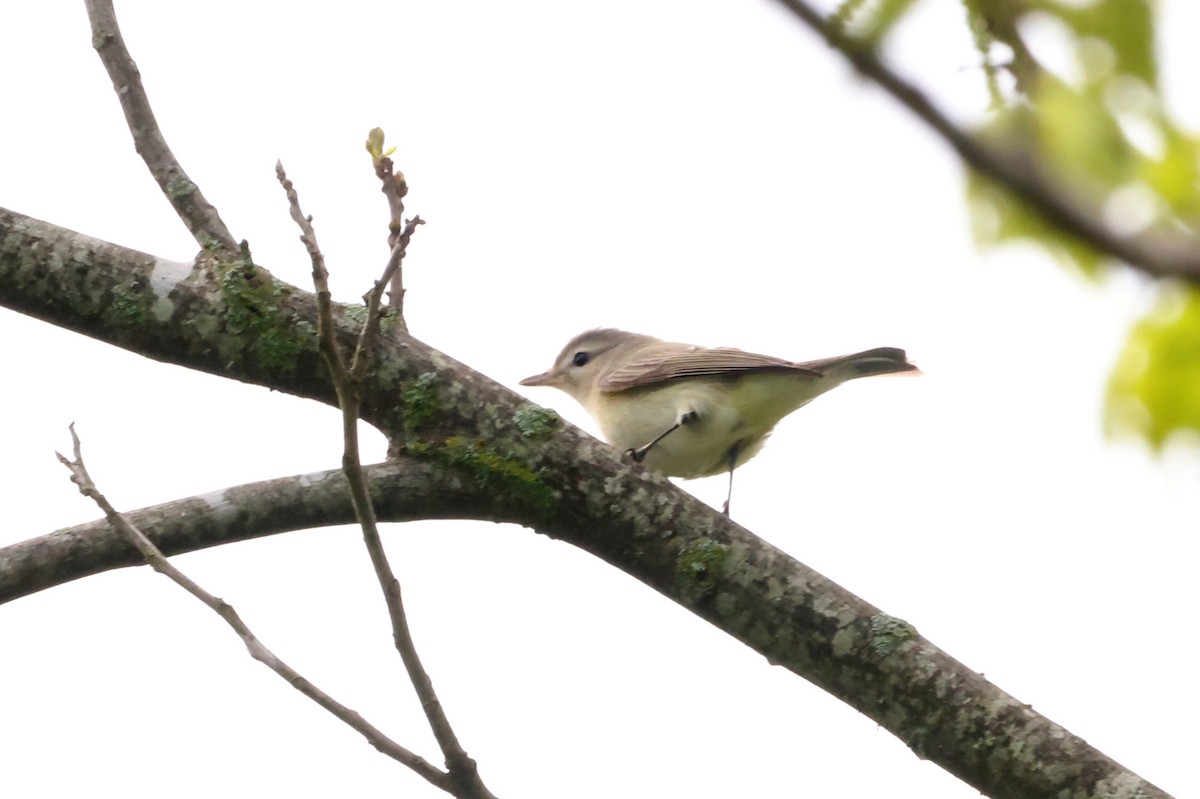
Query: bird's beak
{"points": [[544, 379]]}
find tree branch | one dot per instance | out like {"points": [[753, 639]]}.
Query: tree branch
{"points": [[515, 462], [201, 218], [155, 558], [1157, 253], [348, 382], [480, 437], [394, 187], [408, 490]]}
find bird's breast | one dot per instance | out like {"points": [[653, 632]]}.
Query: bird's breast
{"points": [[728, 413]]}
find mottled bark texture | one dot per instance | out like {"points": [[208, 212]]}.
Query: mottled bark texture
{"points": [[468, 447]]}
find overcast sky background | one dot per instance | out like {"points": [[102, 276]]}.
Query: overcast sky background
{"points": [[701, 171]]}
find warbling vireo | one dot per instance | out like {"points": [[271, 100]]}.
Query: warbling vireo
{"points": [[691, 411]]}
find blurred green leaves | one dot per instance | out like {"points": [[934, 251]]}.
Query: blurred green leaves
{"points": [[1098, 134], [869, 21], [1126, 26], [1097, 131], [1154, 391], [1076, 125]]}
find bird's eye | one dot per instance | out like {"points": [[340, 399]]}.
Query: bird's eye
{"points": [[581, 358]]}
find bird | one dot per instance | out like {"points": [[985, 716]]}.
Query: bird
{"points": [[688, 411]]}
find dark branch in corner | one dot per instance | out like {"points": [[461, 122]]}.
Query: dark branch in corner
{"points": [[1158, 254], [201, 218]]}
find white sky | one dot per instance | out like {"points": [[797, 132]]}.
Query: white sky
{"points": [[702, 171]]}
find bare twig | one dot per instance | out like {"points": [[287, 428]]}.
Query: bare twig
{"points": [[157, 561], [1158, 254], [184, 195], [373, 298], [348, 383], [406, 489], [320, 274], [394, 187]]}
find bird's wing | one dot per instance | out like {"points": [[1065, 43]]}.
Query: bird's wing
{"points": [[666, 361]]}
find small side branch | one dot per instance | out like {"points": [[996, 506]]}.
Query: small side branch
{"points": [[184, 195], [348, 382], [155, 558], [374, 298], [320, 276], [394, 187]]}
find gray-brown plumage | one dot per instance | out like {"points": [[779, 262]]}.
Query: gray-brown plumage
{"points": [[692, 411]]}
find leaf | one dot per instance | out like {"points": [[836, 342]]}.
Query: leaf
{"points": [[1175, 176], [1077, 144], [1080, 137], [999, 218], [374, 144], [1127, 26], [1154, 390]]}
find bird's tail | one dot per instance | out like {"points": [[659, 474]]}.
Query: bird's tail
{"points": [[879, 361]]}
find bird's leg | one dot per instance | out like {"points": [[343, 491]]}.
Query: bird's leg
{"points": [[732, 457], [639, 454]]}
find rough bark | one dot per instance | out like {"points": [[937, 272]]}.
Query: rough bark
{"points": [[470, 448]]}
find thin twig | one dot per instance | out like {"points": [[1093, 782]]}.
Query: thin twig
{"points": [[374, 297], [348, 382], [394, 187], [200, 217], [320, 275], [1158, 254], [157, 561]]}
